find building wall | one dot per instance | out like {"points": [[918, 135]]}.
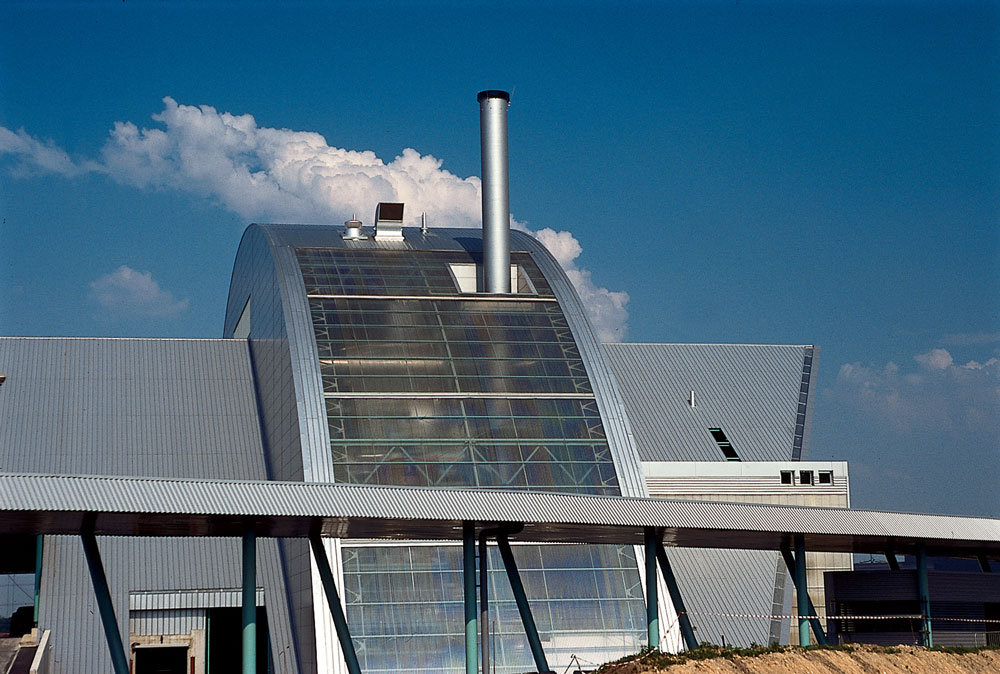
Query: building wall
{"points": [[958, 601], [136, 407], [750, 482]]}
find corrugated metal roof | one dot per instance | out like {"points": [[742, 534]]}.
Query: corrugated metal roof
{"points": [[750, 391], [143, 407], [130, 506]]}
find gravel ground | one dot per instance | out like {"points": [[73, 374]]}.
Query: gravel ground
{"points": [[858, 660]]}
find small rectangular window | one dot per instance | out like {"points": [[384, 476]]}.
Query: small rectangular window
{"points": [[787, 476], [826, 477], [805, 477]]}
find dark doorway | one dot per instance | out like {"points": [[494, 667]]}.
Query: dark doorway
{"points": [[161, 660], [225, 641]]}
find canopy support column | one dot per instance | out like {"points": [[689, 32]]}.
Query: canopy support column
{"points": [[469, 578], [333, 599], [104, 604], [249, 601], [652, 596], [530, 630], [890, 557], [805, 609], [984, 564], [484, 599], [923, 590], [39, 543], [687, 631]]}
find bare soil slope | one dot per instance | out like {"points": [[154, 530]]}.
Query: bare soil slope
{"points": [[859, 660]]}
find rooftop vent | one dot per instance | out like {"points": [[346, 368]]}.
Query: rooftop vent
{"points": [[352, 230], [389, 222]]}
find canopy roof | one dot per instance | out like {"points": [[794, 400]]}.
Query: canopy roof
{"points": [[122, 506]]}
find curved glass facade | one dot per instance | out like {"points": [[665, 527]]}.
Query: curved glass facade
{"points": [[428, 385]]}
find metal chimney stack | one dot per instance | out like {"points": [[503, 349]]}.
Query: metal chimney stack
{"points": [[496, 190]]}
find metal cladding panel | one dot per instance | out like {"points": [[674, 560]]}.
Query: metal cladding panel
{"points": [[58, 504], [266, 279], [752, 392], [144, 407], [189, 599], [729, 594], [169, 621]]}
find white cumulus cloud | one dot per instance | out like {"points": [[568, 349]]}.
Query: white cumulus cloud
{"points": [[127, 291], [935, 359], [278, 175], [606, 308]]}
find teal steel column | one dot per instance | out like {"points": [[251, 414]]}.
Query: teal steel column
{"points": [[38, 575], [484, 598], [652, 600], [469, 577], [119, 660], [522, 604], [923, 590], [813, 619], [801, 589], [249, 602], [336, 610], [687, 631]]}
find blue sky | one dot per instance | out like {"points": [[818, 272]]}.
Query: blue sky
{"points": [[773, 172]]}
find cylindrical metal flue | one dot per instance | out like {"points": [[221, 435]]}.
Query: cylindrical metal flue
{"points": [[496, 191]]}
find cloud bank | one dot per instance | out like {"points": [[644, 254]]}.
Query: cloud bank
{"points": [[938, 397], [279, 175], [37, 156], [127, 291]]}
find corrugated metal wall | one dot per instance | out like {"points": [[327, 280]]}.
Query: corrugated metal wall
{"points": [[138, 407]]}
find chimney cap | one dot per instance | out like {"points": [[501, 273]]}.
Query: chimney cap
{"points": [[493, 93]]}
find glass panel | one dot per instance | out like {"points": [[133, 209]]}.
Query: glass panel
{"points": [[330, 271], [585, 600], [516, 444], [375, 346]]}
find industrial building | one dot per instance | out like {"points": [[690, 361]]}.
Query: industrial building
{"points": [[392, 356]]}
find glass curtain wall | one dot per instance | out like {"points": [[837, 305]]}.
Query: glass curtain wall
{"points": [[429, 386]]}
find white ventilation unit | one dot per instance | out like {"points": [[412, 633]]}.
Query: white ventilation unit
{"points": [[389, 222]]}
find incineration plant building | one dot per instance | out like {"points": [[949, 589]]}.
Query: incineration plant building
{"points": [[386, 355], [374, 361]]}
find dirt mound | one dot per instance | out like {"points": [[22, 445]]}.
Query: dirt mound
{"points": [[840, 660]]}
